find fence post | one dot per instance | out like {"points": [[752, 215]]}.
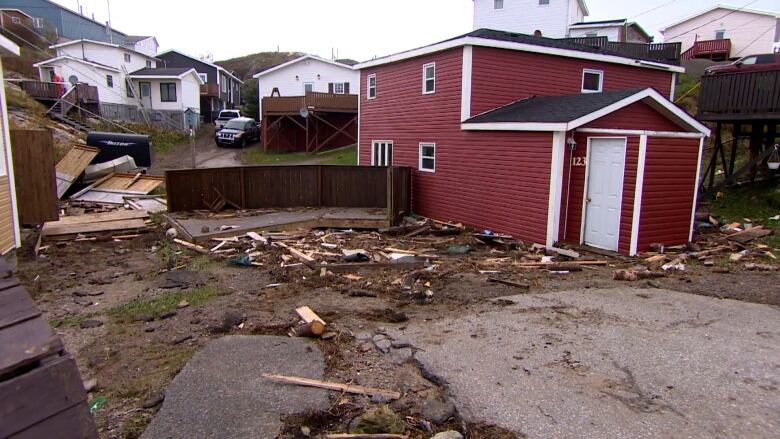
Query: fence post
{"points": [[319, 186], [390, 209]]}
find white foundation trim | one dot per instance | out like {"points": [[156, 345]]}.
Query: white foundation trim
{"points": [[696, 188], [639, 186], [556, 186]]}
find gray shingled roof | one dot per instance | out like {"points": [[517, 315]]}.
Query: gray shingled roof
{"points": [[173, 71], [552, 109]]}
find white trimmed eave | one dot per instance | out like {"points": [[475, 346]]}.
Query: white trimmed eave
{"points": [[654, 99], [78, 60], [523, 47], [8, 47], [299, 59]]}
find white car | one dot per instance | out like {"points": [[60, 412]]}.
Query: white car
{"points": [[224, 117]]}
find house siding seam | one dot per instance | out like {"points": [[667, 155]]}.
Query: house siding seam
{"points": [[496, 180], [534, 74], [667, 195]]}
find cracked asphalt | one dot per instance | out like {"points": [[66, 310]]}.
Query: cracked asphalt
{"points": [[611, 363]]}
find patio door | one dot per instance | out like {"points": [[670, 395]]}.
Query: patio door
{"points": [[146, 94], [382, 153], [604, 195]]}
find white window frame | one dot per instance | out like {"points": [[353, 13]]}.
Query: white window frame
{"points": [[110, 81], [127, 57], [387, 145], [308, 83], [421, 157], [495, 5], [593, 72], [335, 90], [149, 64], [38, 23], [370, 88], [204, 77], [426, 79], [717, 31], [16, 20]]}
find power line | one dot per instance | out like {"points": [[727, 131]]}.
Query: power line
{"points": [[652, 9], [754, 41], [711, 21]]}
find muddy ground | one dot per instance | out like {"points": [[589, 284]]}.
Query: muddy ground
{"points": [[153, 319]]}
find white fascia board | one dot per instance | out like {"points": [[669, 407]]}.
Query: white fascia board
{"points": [[638, 191], [523, 47], [696, 190], [8, 47], [299, 59], [597, 25], [648, 133], [195, 58], [78, 60], [706, 11], [101, 43], [513, 126]]}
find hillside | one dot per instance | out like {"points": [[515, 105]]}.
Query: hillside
{"points": [[246, 66]]}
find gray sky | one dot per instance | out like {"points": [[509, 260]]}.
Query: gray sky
{"points": [[359, 29]]}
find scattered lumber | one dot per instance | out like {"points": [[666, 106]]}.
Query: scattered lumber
{"points": [[303, 257], [548, 264], [634, 275], [413, 265], [314, 323], [72, 165], [510, 283], [191, 246], [564, 267], [761, 267], [751, 234], [565, 252], [410, 253], [711, 251], [358, 390]]}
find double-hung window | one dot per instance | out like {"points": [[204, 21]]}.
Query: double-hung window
{"points": [[109, 81], [338, 88], [382, 153], [371, 89], [427, 161], [592, 81], [168, 92], [127, 57], [429, 78]]}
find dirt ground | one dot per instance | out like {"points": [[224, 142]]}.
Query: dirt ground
{"points": [[153, 319]]}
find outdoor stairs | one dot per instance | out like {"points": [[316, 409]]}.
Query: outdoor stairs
{"points": [[55, 113]]}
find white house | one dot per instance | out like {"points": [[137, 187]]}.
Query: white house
{"points": [[143, 44], [9, 218], [620, 30], [168, 89], [749, 32], [308, 73], [548, 18]]}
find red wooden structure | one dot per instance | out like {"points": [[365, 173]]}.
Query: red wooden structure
{"points": [[718, 50], [309, 123]]}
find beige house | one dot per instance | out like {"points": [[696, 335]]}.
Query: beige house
{"points": [[9, 219], [742, 32]]}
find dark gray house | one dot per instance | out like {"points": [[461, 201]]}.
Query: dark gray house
{"points": [[222, 89], [68, 24]]}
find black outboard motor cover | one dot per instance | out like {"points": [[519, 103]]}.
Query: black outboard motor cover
{"points": [[115, 145]]}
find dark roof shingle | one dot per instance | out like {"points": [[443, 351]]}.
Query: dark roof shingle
{"points": [[172, 71]]}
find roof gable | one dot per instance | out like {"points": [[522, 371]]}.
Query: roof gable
{"points": [[101, 43], [78, 60], [728, 10], [216, 66], [299, 59]]}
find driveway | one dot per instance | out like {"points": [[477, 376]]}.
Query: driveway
{"points": [[611, 363]]}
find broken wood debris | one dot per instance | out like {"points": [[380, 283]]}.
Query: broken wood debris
{"points": [[366, 436], [634, 275], [314, 324], [358, 390]]}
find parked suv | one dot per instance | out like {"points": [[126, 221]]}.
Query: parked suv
{"points": [[224, 117], [239, 131], [752, 63]]}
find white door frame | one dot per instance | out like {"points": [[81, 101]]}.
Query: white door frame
{"points": [[585, 191]]}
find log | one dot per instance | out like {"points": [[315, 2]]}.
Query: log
{"points": [[191, 246], [373, 266], [315, 323], [358, 390], [564, 267]]}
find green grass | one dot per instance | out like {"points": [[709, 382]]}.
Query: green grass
{"points": [[168, 302], [758, 203], [163, 140], [70, 321], [340, 157]]}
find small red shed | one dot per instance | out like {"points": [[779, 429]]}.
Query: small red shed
{"points": [[543, 139]]}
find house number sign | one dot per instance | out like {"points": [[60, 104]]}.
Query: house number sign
{"points": [[578, 161]]}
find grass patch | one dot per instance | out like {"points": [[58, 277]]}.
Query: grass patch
{"points": [[340, 157], [758, 203], [168, 302], [163, 140], [69, 321]]}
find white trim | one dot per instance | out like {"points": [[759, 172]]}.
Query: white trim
{"points": [[78, 60], [592, 72], [8, 47], [585, 190], [556, 187], [297, 60], [513, 126], [219, 68], [360, 98], [101, 43], [9, 162], [425, 79], [657, 101], [343, 88], [191, 71], [206, 75], [615, 23], [388, 144], [673, 89], [368, 86], [638, 188], [420, 157], [523, 47], [696, 189], [641, 133], [465, 86]]}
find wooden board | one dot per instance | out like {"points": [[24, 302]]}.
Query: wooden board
{"points": [[149, 204], [72, 165], [39, 394], [16, 306], [74, 423], [114, 189], [98, 218], [106, 226], [34, 175], [25, 343]]}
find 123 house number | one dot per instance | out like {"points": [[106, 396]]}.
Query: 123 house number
{"points": [[578, 161]]}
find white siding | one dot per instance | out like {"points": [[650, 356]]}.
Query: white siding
{"points": [[91, 75], [147, 46], [749, 33], [290, 80], [611, 32], [527, 16], [187, 93]]}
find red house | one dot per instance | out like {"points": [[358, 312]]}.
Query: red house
{"points": [[547, 140]]}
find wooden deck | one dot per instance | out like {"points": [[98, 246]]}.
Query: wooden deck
{"points": [[313, 101], [51, 91], [745, 96], [709, 49]]}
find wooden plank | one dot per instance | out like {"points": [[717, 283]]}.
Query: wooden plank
{"points": [[72, 165], [16, 306], [25, 343], [92, 218], [360, 390], [416, 265], [39, 394], [35, 176], [106, 226], [74, 423], [315, 323]]}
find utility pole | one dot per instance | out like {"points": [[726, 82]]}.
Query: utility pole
{"points": [[110, 32]]}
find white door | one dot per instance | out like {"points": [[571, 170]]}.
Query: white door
{"points": [[146, 94], [606, 165]]}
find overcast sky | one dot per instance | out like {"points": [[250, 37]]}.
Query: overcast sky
{"points": [[358, 29]]}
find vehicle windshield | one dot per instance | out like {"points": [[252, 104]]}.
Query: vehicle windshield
{"points": [[235, 125], [228, 115]]}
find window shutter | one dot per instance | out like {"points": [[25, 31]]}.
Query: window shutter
{"points": [[346, 88], [330, 87]]}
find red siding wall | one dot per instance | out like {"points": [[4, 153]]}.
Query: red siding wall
{"points": [[501, 76], [496, 180], [637, 116], [667, 196]]}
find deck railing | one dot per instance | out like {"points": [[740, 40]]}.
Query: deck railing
{"points": [[209, 89], [315, 101], [709, 48], [662, 52], [740, 96], [55, 90]]}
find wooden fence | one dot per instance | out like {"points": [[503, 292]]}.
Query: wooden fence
{"points": [[259, 187], [35, 176], [738, 96]]}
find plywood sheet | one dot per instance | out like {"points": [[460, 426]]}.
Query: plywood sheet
{"points": [[132, 183], [72, 165], [34, 174], [98, 218], [148, 204], [107, 226]]}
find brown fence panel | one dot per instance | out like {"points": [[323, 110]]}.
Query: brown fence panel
{"points": [[402, 192], [258, 187], [35, 176]]}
